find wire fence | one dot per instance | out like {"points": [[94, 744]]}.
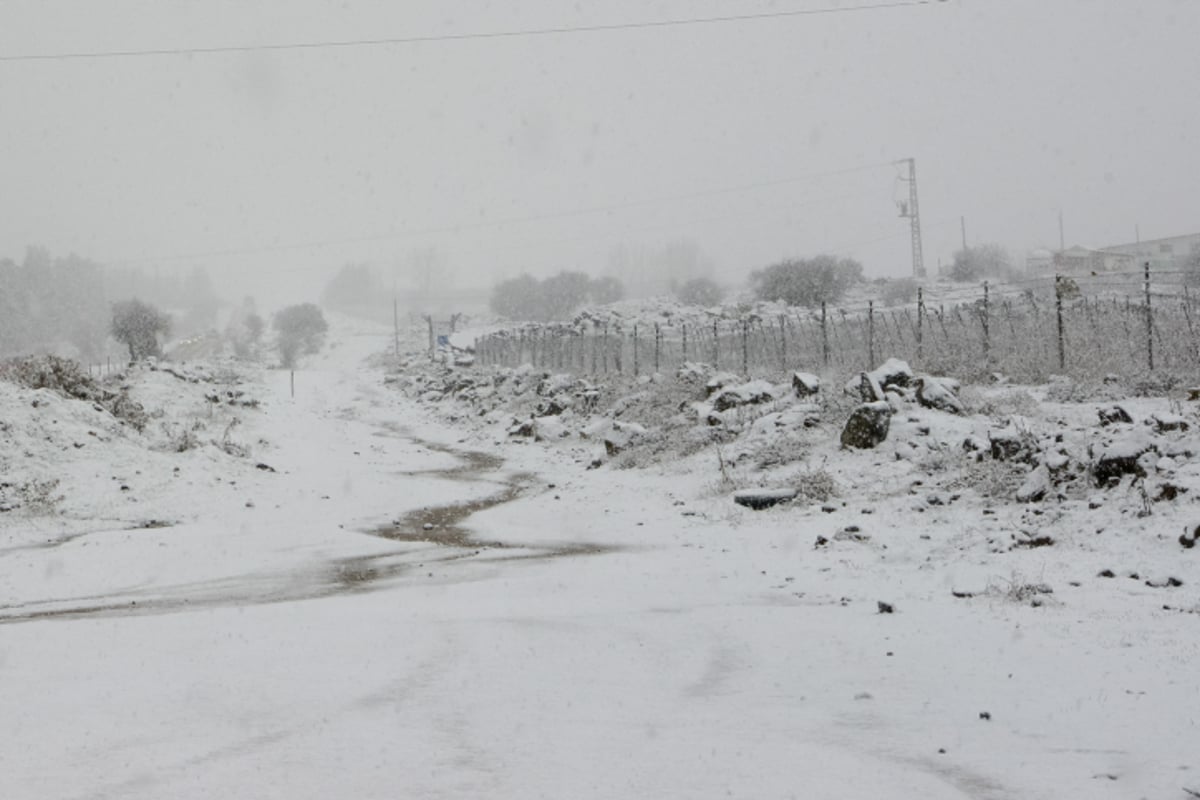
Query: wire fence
{"points": [[1084, 326]]}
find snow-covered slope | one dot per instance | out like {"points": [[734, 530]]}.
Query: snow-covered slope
{"points": [[402, 607]]}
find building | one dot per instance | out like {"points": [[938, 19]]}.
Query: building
{"points": [[1170, 253], [1079, 260]]}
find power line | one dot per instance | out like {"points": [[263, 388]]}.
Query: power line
{"points": [[579, 212], [470, 35]]}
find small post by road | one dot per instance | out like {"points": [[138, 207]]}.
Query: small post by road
{"points": [[1062, 345], [870, 334], [745, 347], [920, 324], [293, 381], [987, 341], [824, 335], [1149, 321]]}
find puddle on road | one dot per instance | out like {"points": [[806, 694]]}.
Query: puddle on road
{"points": [[441, 528]]}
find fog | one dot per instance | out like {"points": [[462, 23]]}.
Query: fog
{"points": [[748, 140]]}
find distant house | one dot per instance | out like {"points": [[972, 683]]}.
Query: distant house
{"points": [[1079, 260], [1170, 253], [1039, 262]]}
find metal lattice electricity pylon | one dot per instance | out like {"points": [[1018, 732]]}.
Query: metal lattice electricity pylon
{"points": [[912, 211]]}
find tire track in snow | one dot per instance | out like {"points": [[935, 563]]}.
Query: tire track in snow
{"points": [[442, 527]]}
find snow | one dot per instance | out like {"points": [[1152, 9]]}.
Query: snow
{"points": [[610, 633]]}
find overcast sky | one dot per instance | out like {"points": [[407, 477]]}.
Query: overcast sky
{"points": [[542, 152]]}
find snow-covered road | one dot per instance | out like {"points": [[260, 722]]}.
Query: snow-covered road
{"points": [[579, 635]]}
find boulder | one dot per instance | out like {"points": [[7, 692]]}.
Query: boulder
{"points": [[621, 436], [1036, 486], [752, 393], [801, 415], [719, 381], [548, 429], [1011, 445], [1122, 457], [1113, 415], [868, 425], [865, 387], [551, 385], [939, 394], [524, 428], [552, 407], [805, 384], [893, 373], [759, 499], [1164, 422]]}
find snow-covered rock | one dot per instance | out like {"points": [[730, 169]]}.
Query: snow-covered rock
{"points": [[867, 426], [939, 394], [751, 393], [1122, 457], [805, 384]]}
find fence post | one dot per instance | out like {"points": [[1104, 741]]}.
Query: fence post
{"points": [[870, 334], [657, 346], [635, 350], [920, 324], [1062, 346], [745, 347], [824, 336], [783, 343], [604, 350], [1149, 321], [987, 341], [716, 346]]}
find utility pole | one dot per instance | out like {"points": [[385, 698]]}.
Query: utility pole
{"points": [[1062, 239], [963, 220], [911, 211], [395, 319]]}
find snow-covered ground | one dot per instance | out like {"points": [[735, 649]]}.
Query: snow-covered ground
{"points": [[399, 607]]}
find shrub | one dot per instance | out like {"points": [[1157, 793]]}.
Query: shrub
{"points": [[899, 292], [608, 289], [806, 282], [138, 325], [301, 328], [699, 292]]}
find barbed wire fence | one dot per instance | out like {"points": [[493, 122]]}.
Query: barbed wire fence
{"points": [[1084, 326]]}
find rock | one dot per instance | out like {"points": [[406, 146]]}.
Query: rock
{"points": [[551, 385], [1113, 415], [868, 426], [1188, 539], [759, 499], [552, 407], [1169, 422], [522, 427], [805, 384], [1122, 457], [692, 372], [800, 415], [939, 394], [893, 373], [1011, 445], [548, 429], [719, 381], [752, 393], [865, 387], [885, 608], [1036, 486], [621, 436]]}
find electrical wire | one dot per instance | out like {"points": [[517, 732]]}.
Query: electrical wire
{"points": [[458, 228], [470, 35]]}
